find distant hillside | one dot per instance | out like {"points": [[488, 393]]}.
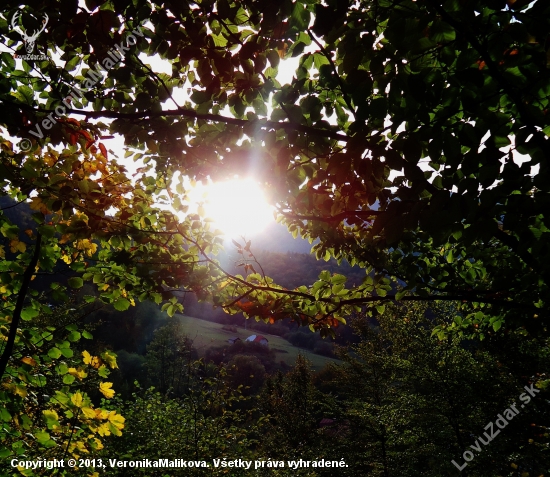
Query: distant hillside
{"points": [[277, 238], [206, 334]]}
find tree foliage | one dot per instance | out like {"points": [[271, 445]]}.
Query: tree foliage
{"points": [[293, 408], [168, 359], [413, 404], [396, 145], [199, 425], [411, 142], [47, 390]]}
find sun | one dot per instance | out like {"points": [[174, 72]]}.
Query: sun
{"points": [[237, 207]]}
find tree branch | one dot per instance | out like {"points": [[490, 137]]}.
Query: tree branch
{"points": [[27, 275], [189, 113], [364, 214]]}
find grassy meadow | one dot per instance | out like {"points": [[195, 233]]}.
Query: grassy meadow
{"points": [[206, 334]]}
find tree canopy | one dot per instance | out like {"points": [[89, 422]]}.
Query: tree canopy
{"points": [[411, 141]]}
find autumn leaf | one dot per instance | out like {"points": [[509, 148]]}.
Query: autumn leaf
{"points": [[110, 359], [101, 414], [50, 414], [28, 360], [98, 446], [116, 419], [17, 246], [93, 361], [105, 389], [87, 357], [77, 399], [89, 412], [87, 246], [103, 150], [37, 204], [104, 430], [20, 390], [78, 373]]}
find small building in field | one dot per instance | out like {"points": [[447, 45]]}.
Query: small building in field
{"points": [[234, 340], [257, 339]]}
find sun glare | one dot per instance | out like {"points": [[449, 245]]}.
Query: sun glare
{"points": [[237, 206]]}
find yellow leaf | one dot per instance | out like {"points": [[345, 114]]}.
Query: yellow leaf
{"points": [[110, 359], [28, 360], [20, 390], [86, 245], [49, 160], [50, 414], [104, 430], [78, 373], [87, 358], [99, 444], [116, 420], [93, 361], [17, 246], [64, 238], [96, 362], [16, 389], [37, 204], [81, 446], [105, 389], [101, 414], [88, 412], [76, 399]]}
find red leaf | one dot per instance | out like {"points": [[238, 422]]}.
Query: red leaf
{"points": [[103, 150], [86, 134], [279, 31]]}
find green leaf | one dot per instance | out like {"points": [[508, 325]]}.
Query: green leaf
{"points": [[4, 452], [121, 304], [4, 414], [67, 352], [73, 336], [75, 282], [42, 436], [62, 369], [29, 313], [103, 371], [54, 353]]}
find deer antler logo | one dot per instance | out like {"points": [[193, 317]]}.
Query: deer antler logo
{"points": [[28, 40]]}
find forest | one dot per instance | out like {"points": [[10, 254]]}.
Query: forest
{"points": [[397, 326]]}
